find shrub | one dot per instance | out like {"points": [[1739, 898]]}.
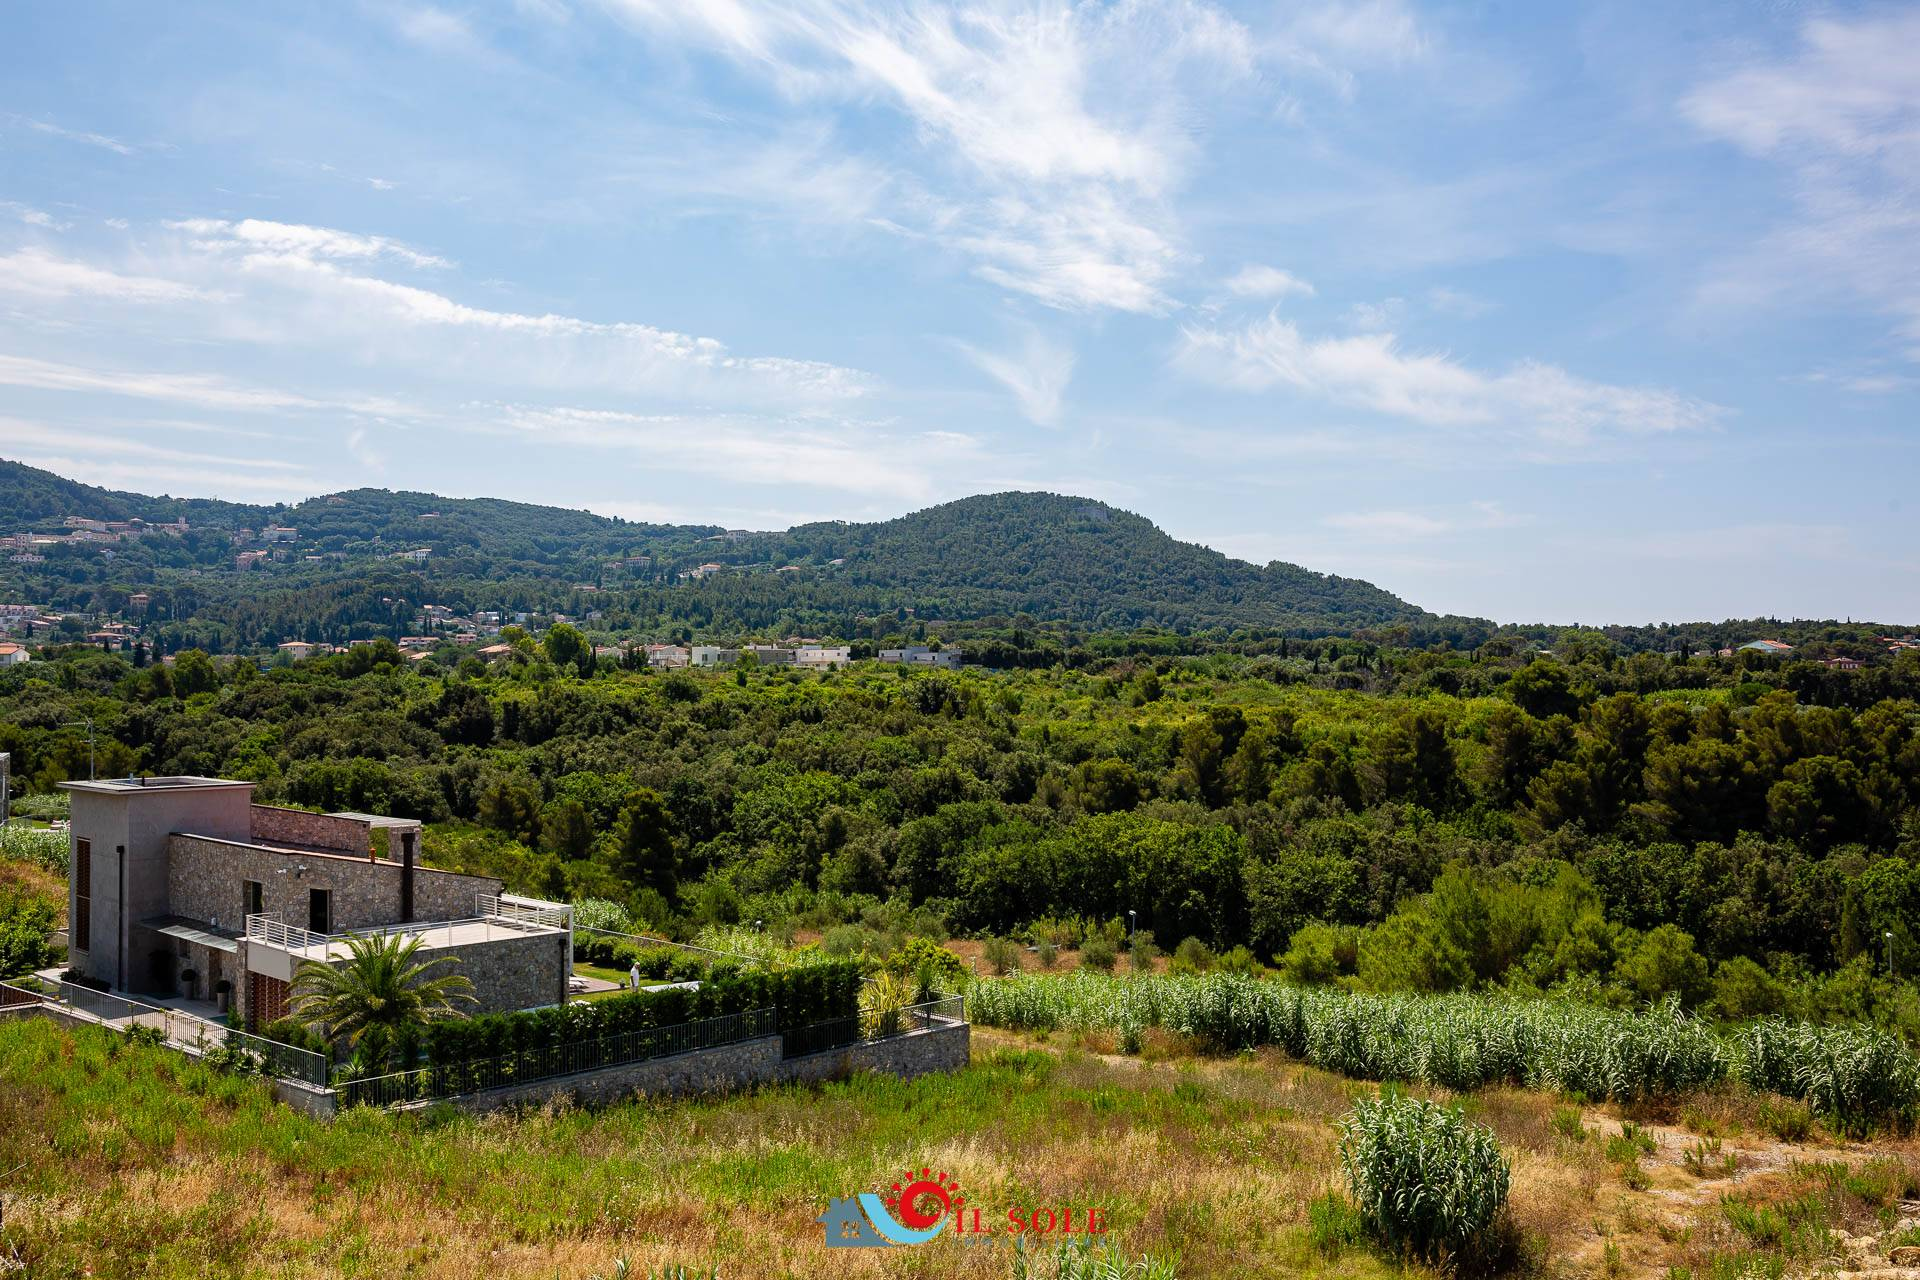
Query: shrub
{"points": [[1191, 956], [1427, 1182], [599, 913], [1002, 955], [918, 953], [1046, 953], [1098, 953]]}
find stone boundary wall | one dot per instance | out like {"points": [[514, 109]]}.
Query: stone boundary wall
{"points": [[729, 1067], [273, 825]]}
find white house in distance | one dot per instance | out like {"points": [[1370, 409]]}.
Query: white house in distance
{"points": [[12, 655], [820, 656], [919, 655]]}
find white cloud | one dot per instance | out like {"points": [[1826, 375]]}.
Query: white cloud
{"points": [[1258, 281], [313, 288], [100, 140], [121, 462], [1377, 317], [1843, 114], [1372, 372], [827, 454], [31, 216], [1051, 133], [38, 274], [206, 391], [303, 241], [1037, 374], [1388, 525]]}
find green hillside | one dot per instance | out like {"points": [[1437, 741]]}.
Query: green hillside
{"points": [[1050, 558]]}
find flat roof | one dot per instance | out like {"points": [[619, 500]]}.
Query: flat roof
{"points": [[130, 786], [376, 820]]}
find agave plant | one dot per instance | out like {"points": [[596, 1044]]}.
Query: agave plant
{"points": [[380, 985]]}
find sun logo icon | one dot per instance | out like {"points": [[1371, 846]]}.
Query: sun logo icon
{"points": [[912, 1199]]}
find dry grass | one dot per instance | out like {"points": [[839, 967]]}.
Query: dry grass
{"points": [[130, 1161]]}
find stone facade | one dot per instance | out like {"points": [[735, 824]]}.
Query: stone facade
{"points": [[206, 880], [297, 827], [510, 973]]}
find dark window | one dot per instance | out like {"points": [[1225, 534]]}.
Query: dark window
{"points": [[320, 910], [82, 923], [255, 898]]}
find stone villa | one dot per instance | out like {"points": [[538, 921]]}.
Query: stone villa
{"points": [[184, 887]]}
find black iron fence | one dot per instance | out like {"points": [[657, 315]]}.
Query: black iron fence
{"points": [[446, 1080], [881, 1023]]}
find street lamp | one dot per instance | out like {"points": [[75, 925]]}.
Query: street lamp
{"points": [[1889, 937], [1130, 916], [6, 799]]}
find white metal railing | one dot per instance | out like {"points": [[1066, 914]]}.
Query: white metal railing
{"points": [[268, 927], [549, 915], [498, 919]]}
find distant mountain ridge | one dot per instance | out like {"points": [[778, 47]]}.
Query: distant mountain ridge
{"points": [[1051, 557]]}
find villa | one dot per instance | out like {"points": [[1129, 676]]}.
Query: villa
{"points": [[183, 887]]}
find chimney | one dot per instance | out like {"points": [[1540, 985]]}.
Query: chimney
{"points": [[407, 840]]}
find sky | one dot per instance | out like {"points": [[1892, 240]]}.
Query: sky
{"points": [[1575, 313]]}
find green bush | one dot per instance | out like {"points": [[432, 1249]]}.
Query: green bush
{"points": [[26, 922], [1192, 956], [948, 969], [1002, 955], [1099, 953], [1427, 1182]]}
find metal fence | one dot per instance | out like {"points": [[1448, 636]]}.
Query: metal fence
{"points": [[871, 1025], [446, 1080], [177, 1028]]}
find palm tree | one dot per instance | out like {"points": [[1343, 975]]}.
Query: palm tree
{"points": [[380, 985]]}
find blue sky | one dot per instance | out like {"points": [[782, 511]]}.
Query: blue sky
{"points": [[1597, 313]]}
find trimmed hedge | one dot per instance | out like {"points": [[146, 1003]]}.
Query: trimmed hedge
{"points": [[803, 996]]}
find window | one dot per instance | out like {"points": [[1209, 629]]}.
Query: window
{"points": [[81, 932], [255, 899], [320, 910]]}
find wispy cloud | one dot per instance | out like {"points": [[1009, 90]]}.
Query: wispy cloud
{"points": [[90, 139], [317, 288], [1256, 280], [206, 391], [1052, 132], [1373, 372], [827, 454], [1842, 114], [38, 274], [1037, 373], [31, 216], [254, 234]]}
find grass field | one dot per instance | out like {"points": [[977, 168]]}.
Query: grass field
{"points": [[120, 1159]]}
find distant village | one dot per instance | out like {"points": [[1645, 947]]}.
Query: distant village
{"points": [[27, 627]]}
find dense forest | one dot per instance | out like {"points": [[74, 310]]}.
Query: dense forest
{"points": [[1741, 833], [1066, 561]]}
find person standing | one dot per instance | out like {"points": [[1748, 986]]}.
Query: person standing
{"points": [[633, 975]]}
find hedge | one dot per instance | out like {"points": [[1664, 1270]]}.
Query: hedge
{"points": [[803, 996]]}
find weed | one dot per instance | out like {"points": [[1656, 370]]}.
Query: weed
{"points": [[1566, 1123], [1333, 1224]]}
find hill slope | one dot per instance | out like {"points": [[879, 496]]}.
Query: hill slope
{"points": [[1051, 557], [1058, 556]]}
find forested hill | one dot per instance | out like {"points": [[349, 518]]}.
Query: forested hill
{"points": [[1053, 559], [1059, 556]]}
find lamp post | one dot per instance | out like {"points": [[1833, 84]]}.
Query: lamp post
{"points": [[1889, 937], [1130, 916], [6, 797]]}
